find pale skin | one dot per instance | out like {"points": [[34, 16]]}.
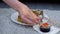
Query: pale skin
{"points": [[25, 12]]}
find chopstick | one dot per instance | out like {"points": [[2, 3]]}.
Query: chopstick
{"points": [[41, 13]]}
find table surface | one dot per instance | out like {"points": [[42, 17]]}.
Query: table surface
{"points": [[9, 27]]}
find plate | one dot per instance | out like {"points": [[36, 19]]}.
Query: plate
{"points": [[15, 15], [53, 30]]}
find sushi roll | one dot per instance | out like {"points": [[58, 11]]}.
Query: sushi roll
{"points": [[45, 27]]}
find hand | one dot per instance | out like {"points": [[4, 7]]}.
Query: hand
{"points": [[28, 16]]}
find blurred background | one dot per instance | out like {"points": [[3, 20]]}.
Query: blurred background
{"points": [[37, 4]]}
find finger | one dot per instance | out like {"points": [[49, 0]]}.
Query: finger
{"points": [[36, 20], [27, 21], [30, 18]]}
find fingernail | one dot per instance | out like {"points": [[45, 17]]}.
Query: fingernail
{"points": [[37, 20]]}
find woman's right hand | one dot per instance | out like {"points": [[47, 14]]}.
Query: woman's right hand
{"points": [[28, 16]]}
